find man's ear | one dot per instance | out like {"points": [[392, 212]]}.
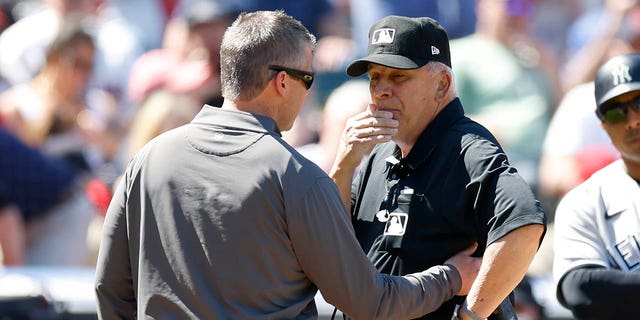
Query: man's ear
{"points": [[280, 84], [444, 84]]}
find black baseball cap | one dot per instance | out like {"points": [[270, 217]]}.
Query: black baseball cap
{"points": [[404, 43], [619, 75]]}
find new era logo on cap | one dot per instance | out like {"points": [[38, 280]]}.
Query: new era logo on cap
{"points": [[435, 50], [383, 36]]}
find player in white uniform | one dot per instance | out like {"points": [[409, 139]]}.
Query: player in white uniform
{"points": [[597, 238]]}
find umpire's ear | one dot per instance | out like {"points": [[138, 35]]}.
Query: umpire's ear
{"points": [[444, 85]]}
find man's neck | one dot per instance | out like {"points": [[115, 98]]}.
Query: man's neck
{"points": [[253, 106], [405, 148], [633, 168]]}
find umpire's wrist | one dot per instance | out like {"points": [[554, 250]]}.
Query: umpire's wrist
{"points": [[460, 309], [473, 315]]}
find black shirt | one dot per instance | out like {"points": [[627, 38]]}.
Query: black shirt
{"points": [[455, 187]]}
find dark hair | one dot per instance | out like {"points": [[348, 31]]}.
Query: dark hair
{"points": [[254, 41], [72, 31]]}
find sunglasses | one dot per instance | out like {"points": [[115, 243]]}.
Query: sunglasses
{"points": [[304, 76], [617, 112]]}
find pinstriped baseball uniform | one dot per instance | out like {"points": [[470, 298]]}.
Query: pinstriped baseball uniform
{"points": [[598, 223]]}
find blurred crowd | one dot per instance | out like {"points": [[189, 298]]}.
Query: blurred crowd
{"points": [[85, 83]]}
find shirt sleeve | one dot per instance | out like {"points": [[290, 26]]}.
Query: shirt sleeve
{"points": [[501, 197], [577, 241], [116, 298], [355, 188], [329, 254], [598, 293]]}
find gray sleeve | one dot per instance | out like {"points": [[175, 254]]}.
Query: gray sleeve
{"points": [[115, 294], [329, 254]]}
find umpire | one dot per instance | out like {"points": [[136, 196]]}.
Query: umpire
{"points": [[435, 181]]}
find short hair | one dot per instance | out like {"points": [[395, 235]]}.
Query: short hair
{"points": [[254, 41], [439, 67]]}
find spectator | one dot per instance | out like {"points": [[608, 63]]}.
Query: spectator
{"points": [[160, 112], [575, 146], [189, 62], [24, 44], [613, 23], [43, 216], [50, 112], [502, 72]]}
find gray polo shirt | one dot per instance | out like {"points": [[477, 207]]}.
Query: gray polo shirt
{"points": [[222, 219]]}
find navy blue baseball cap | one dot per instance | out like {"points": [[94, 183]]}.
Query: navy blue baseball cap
{"points": [[619, 75], [404, 43]]}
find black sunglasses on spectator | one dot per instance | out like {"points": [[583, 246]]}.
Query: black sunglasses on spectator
{"points": [[304, 76], [617, 112]]}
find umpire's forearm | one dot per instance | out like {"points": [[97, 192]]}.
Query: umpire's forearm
{"points": [[504, 264], [343, 178]]}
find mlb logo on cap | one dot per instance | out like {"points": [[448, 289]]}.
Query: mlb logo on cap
{"points": [[383, 36]]}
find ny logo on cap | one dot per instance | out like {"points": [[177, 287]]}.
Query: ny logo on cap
{"points": [[383, 36], [621, 74]]}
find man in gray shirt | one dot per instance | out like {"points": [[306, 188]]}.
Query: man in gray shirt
{"points": [[222, 219]]}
